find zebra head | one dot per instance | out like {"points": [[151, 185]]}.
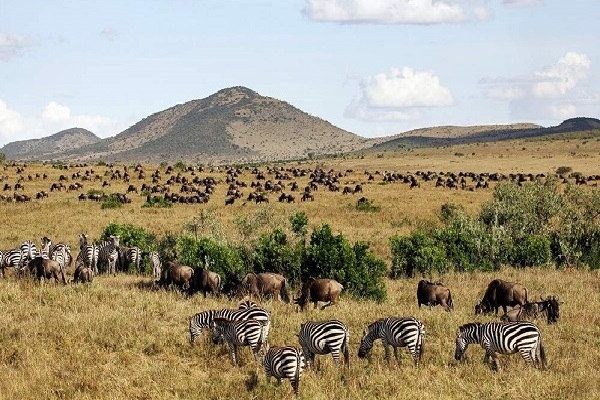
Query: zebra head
{"points": [[114, 240], [467, 334], [82, 240], [370, 334], [218, 326]]}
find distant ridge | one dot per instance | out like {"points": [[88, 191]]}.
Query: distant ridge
{"points": [[51, 146]]}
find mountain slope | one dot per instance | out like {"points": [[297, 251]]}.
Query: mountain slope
{"points": [[233, 124], [63, 141]]}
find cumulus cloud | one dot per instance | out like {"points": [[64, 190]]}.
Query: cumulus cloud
{"points": [[554, 92], [13, 45], [399, 94], [54, 117], [386, 11]]}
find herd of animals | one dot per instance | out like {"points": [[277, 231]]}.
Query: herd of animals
{"points": [[249, 325], [188, 187]]}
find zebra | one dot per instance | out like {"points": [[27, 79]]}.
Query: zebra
{"points": [[88, 254], [240, 333], [284, 363], [61, 253], [129, 256], [244, 305], [156, 264], [205, 319], [28, 252], [395, 332], [108, 254], [503, 338], [323, 338]]}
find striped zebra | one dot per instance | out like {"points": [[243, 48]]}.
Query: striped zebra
{"points": [[244, 305], [108, 254], [205, 320], [396, 332], [324, 338], [240, 333], [284, 363], [12, 259], [61, 253], [503, 338], [28, 252], [88, 254], [156, 264], [130, 256]]}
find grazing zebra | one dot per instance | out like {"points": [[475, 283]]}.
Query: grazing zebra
{"points": [[324, 338], [240, 333], [108, 254], [156, 265], [45, 250], [61, 253], [503, 338], [12, 259], [130, 256], [284, 363], [205, 319], [395, 332], [88, 254], [28, 252]]}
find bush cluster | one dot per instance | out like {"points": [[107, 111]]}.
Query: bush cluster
{"points": [[531, 225]]}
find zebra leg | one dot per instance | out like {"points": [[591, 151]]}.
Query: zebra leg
{"points": [[397, 355], [233, 352], [336, 356], [295, 385], [495, 363], [386, 350]]}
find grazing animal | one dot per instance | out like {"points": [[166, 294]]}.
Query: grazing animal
{"points": [[130, 256], [503, 338], [239, 333], [324, 338], [206, 281], [323, 290], [44, 268], [285, 363], [177, 274], [11, 259], [247, 304], [266, 284], [433, 294], [108, 254], [205, 319], [530, 311], [88, 254], [501, 293], [83, 274], [395, 332], [156, 265], [28, 252]]}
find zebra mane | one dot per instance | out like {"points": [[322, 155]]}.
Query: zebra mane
{"points": [[468, 326]]}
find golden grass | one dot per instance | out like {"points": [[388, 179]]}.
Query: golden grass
{"points": [[119, 339]]}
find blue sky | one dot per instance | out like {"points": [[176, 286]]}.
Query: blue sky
{"points": [[373, 67]]}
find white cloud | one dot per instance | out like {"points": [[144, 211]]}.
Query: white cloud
{"points": [[109, 34], [53, 118], [522, 3], [386, 11], [13, 45], [398, 95], [555, 92]]}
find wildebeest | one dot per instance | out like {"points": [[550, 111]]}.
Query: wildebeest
{"points": [[319, 290], [83, 274], [44, 268], [177, 274], [266, 284], [501, 293], [530, 311], [433, 294], [206, 281]]}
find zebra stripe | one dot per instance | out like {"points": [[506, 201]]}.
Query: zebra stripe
{"points": [[28, 252], [240, 333], [324, 338], [284, 363], [396, 332], [88, 254], [244, 305], [108, 254], [205, 319], [12, 259], [156, 264], [504, 338], [61, 253], [129, 256]]}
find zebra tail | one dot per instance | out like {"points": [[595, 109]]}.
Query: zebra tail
{"points": [[542, 355], [421, 343], [347, 350]]}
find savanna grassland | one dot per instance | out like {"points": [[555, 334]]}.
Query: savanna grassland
{"points": [[119, 338]]}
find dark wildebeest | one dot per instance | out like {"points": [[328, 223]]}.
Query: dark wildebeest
{"points": [[44, 268], [433, 294], [206, 281], [266, 284], [177, 274], [501, 293], [530, 311], [83, 274], [315, 290]]}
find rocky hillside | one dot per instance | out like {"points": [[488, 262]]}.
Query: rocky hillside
{"points": [[234, 124], [464, 131], [51, 146]]}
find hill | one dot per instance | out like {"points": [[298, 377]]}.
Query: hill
{"points": [[424, 138], [51, 146], [234, 124], [463, 131]]}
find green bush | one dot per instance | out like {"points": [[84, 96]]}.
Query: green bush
{"points": [[274, 253], [532, 250], [159, 202], [331, 256], [299, 222], [111, 202], [418, 253], [132, 236], [366, 205]]}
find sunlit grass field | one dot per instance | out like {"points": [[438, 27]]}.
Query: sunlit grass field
{"points": [[119, 338]]}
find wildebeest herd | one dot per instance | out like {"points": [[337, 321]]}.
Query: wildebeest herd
{"points": [[250, 324], [187, 186]]}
